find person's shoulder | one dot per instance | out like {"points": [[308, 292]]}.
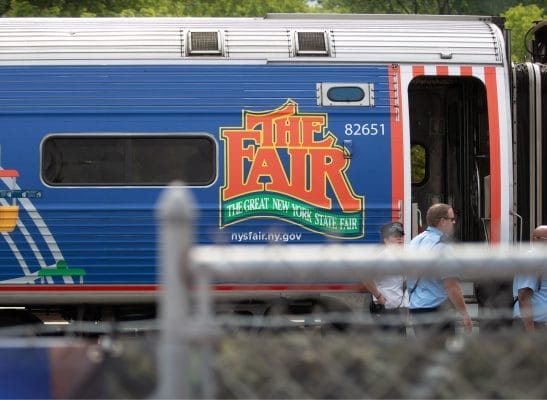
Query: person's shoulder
{"points": [[431, 238], [418, 238], [436, 236], [434, 231], [429, 232], [522, 281]]}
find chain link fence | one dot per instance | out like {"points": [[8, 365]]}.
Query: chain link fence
{"points": [[285, 357], [354, 364]]}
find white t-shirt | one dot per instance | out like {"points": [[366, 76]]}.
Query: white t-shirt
{"points": [[392, 289]]}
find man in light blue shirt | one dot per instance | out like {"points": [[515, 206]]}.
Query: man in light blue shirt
{"points": [[531, 292], [428, 295]]}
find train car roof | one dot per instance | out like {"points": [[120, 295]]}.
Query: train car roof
{"points": [[315, 38]]}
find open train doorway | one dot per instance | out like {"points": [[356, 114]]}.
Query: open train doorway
{"points": [[450, 152]]}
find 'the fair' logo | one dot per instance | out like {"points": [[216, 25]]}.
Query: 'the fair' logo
{"points": [[286, 165]]}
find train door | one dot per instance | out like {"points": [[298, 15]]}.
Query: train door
{"points": [[530, 134], [530, 143], [450, 151]]}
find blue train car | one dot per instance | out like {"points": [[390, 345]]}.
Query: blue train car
{"points": [[288, 129]]}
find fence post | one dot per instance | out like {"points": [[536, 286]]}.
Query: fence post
{"points": [[175, 210]]}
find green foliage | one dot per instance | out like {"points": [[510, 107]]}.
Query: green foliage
{"points": [[475, 7], [520, 19], [232, 8], [90, 8], [147, 8], [398, 6]]}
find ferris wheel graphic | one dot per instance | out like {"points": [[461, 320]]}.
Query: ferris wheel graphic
{"points": [[15, 201]]}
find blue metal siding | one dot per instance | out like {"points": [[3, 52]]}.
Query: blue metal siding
{"points": [[111, 232]]}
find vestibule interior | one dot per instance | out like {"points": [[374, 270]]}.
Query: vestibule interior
{"points": [[450, 152]]}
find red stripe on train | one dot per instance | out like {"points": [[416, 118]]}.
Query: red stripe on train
{"points": [[397, 148], [291, 287], [223, 287], [442, 70], [495, 152]]}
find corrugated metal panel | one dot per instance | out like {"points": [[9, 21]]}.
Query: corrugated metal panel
{"points": [[195, 89], [383, 39], [264, 44]]}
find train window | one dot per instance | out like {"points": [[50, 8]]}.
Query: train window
{"points": [[418, 158], [128, 160], [345, 94]]}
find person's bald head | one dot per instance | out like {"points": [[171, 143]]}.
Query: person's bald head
{"points": [[540, 233]]}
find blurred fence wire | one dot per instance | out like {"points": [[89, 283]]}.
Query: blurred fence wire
{"points": [[357, 364], [284, 357]]}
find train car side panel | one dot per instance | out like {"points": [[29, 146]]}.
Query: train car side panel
{"points": [[290, 164]]}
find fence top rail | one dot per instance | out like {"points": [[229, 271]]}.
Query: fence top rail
{"points": [[331, 262], [336, 262]]}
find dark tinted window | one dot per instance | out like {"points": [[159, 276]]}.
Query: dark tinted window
{"points": [[346, 93], [128, 160]]}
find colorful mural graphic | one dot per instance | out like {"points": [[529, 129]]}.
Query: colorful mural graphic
{"points": [[287, 165], [13, 201]]}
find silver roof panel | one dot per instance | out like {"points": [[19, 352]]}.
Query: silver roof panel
{"points": [[355, 38]]}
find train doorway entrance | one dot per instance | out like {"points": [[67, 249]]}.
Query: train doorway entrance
{"points": [[450, 152]]}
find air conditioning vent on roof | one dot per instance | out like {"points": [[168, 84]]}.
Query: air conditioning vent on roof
{"points": [[204, 43], [312, 44]]}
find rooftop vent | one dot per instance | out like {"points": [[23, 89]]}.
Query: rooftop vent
{"points": [[312, 44], [204, 43]]}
